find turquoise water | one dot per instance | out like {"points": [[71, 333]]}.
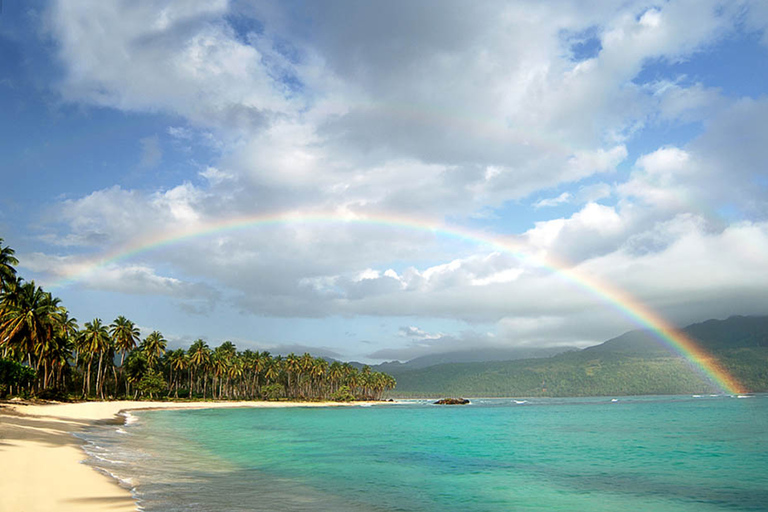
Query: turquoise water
{"points": [[636, 454]]}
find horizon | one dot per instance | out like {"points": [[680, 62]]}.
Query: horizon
{"points": [[626, 141]]}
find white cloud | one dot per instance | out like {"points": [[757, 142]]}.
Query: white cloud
{"points": [[553, 201], [216, 176], [586, 163], [164, 56], [365, 126], [481, 108], [594, 192], [135, 279], [416, 333]]}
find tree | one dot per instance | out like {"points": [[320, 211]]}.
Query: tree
{"points": [[177, 362], [151, 383], [125, 335], [135, 368], [292, 369], [199, 360], [154, 347], [7, 262], [29, 320], [95, 340]]}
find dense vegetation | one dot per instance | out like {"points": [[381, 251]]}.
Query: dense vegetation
{"points": [[45, 353], [632, 364]]}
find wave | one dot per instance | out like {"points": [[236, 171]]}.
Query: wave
{"points": [[130, 419]]}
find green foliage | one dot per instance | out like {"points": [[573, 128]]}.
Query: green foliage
{"points": [[14, 374], [343, 394], [152, 383], [136, 366], [272, 391], [58, 394]]}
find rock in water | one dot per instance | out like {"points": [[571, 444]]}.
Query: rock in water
{"points": [[452, 401]]}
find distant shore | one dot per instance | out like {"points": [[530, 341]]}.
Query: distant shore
{"points": [[41, 469]]}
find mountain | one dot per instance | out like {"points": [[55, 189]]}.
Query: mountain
{"points": [[633, 363], [735, 332], [471, 356]]}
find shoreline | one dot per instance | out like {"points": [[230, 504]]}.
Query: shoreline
{"points": [[42, 466]]}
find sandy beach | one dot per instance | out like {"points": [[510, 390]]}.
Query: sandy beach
{"points": [[41, 469]]}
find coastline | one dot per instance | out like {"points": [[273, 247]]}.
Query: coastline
{"points": [[42, 468]]}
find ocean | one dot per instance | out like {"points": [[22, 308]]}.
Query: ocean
{"points": [[685, 453]]}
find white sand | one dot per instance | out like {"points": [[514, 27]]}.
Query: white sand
{"points": [[40, 468]]}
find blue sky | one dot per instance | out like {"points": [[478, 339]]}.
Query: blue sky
{"points": [[627, 139]]}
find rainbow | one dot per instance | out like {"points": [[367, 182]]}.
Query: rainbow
{"points": [[677, 341]]}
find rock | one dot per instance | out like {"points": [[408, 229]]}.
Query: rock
{"points": [[452, 401]]}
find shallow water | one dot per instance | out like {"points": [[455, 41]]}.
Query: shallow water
{"points": [[638, 453]]}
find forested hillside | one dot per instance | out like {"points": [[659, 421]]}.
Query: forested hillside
{"points": [[635, 363]]}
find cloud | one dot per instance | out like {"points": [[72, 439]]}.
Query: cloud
{"points": [[151, 153], [215, 176], [134, 279], [421, 346], [593, 193], [181, 59], [284, 349], [437, 112], [553, 201], [385, 124], [109, 216], [416, 333]]}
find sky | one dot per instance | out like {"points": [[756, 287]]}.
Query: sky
{"points": [[389, 142]]}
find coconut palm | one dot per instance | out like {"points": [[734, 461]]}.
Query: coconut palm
{"points": [[29, 317], [7, 262], [94, 341], [177, 362], [125, 335], [292, 369], [199, 360], [154, 347]]}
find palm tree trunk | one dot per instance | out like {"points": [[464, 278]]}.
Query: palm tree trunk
{"points": [[87, 381], [45, 377], [99, 379]]}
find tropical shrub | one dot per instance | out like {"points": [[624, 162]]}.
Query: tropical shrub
{"points": [[151, 383], [14, 375], [272, 391], [343, 394]]}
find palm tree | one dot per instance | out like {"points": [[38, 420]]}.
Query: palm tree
{"points": [[125, 334], [7, 261], [271, 369], [95, 340], [319, 374], [29, 317], [235, 374], [199, 359], [154, 347], [292, 369], [335, 374], [177, 362]]}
